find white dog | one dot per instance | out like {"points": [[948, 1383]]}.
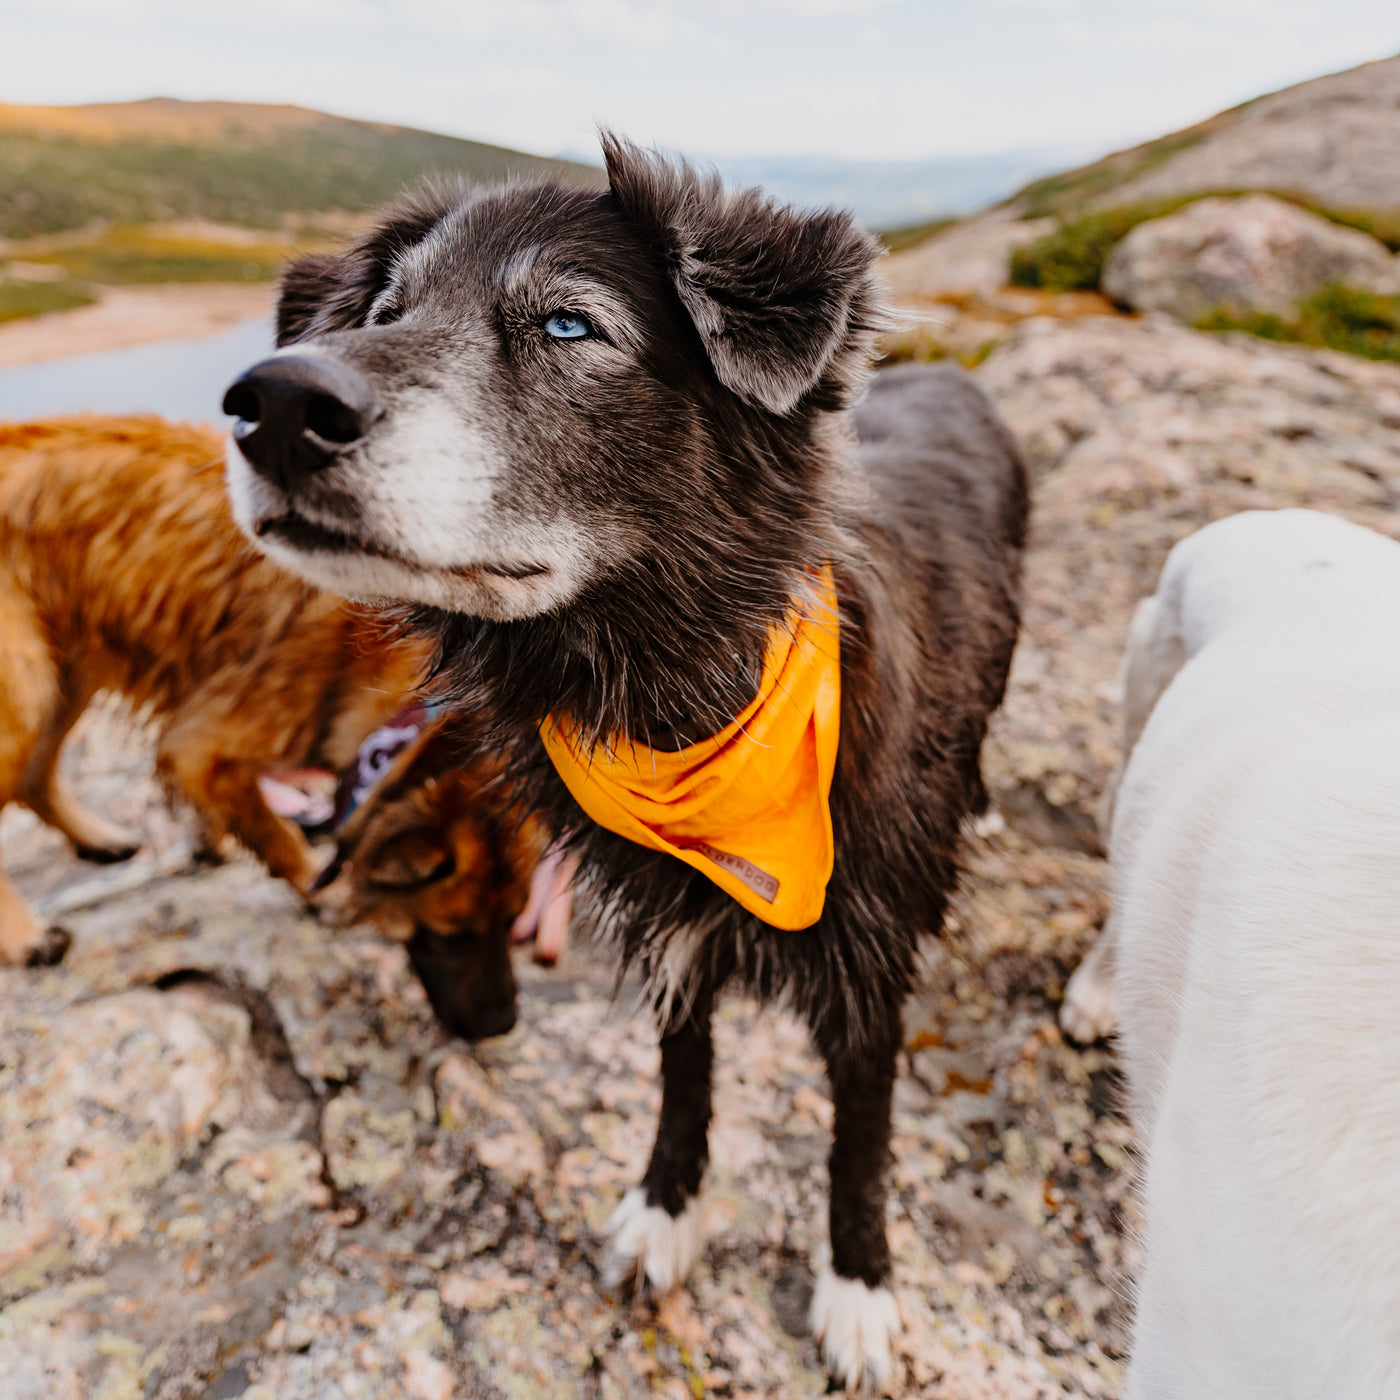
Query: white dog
{"points": [[1256, 935]]}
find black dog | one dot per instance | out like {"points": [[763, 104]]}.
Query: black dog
{"points": [[605, 443]]}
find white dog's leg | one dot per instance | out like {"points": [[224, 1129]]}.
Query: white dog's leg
{"points": [[646, 1241], [1090, 1009], [855, 1326]]}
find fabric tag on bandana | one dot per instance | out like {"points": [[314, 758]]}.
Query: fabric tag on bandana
{"points": [[764, 885]]}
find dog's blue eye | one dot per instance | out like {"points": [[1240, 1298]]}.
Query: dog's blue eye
{"points": [[567, 325]]}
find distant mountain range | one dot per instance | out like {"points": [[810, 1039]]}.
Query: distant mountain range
{"points": [[887, 194], [1333, 139], [892, 194]]}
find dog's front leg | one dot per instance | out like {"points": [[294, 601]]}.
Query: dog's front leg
{"points": [[854, 1316], [657, 1231]]}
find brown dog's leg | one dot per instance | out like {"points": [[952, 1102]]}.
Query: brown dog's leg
{"points": [[854, 1316], [28, 697], [48, 797], [225, 792]]}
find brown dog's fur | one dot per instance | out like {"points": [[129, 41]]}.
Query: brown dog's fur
{"points": [[121, 570]]}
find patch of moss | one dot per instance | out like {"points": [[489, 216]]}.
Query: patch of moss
{"points": [[1383, 224], [34, 298], [1071, 259], [1338, 317], [1069, 190], [970, 359]]}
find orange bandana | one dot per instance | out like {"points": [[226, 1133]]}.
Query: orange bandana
{"points": [[749, 807]]}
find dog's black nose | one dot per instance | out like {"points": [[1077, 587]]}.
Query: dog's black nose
{"points": [[297, 413]]}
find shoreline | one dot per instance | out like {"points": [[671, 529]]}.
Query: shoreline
{"points": [[134, 315]]}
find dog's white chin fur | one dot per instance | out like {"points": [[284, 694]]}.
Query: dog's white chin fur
{"points": [[646, 1239], [855, 1326], [455, 587]]}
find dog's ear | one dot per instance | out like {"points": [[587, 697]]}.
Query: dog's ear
{"points": [[308, 284], [334, 291], [776, 294]]}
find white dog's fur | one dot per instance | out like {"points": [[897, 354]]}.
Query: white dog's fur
{"points": [[1256, 934]]}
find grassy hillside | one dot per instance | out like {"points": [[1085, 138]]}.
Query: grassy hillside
{"points": [[1068, 192], [168, 191], [141, 162]]}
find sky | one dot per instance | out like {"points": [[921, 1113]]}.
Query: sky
{"points": [[856, 79]]}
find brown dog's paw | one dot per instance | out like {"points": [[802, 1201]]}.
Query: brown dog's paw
{"points": [[51, 948], [108, 855]]}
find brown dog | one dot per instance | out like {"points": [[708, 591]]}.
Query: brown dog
{"points": [[438, 858], [121, 570]]}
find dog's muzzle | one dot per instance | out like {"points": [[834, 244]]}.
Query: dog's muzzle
{"points": [[297, 413]]}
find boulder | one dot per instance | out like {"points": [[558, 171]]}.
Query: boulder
{"points": [[1254, 253]]}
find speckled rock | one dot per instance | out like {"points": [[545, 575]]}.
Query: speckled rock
{"points": [[1255, 253], [1138, 433], [241, 1160], [102, 1101]]}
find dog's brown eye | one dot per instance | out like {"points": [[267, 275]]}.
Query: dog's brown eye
{"points": [[409, 861]]}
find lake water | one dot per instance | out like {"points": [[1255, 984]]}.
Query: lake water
{"points": [[181, 379]]}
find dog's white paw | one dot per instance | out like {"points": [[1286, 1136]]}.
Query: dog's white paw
{"points": [[1090, 1009], [646, 1240], [855, 1326]]}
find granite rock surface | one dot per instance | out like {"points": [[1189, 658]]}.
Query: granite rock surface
{"points": [[239, 1159], [1138, 432], [1335, 139]]}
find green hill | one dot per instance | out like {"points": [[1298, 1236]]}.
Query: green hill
{"points": [[62, 168]]}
